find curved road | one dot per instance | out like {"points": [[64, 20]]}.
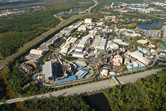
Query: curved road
{"points": [[91, 87]]}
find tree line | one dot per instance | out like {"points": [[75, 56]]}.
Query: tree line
{"points": [[145, 94], [69, 103]]}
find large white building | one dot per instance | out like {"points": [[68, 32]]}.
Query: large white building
{"points": [[37, 52], [88, 21], [82, 28], [120, 42], [104, 72], [82, 42], [78, 55], [66, 46], [139, 56], [111, 45], [48, 71], [99, 43]]}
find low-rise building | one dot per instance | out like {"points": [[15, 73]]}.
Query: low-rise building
{"points": [[163, 48], [99, 43], [143, 50], [66, 46], [82, 42], [88, 21], [155, 34], [139, 56], [135, 65], [37, 52], [112, 46], [78, 55], [48, 71], [117, 60], [104, 72], [81, 73], [120, 42], [82, 28]]}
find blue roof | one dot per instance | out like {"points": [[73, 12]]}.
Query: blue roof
{"points": [[163, 47], [70, 78], [81, 73]]}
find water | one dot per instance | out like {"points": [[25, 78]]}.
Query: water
{"points": [[98, 101], [18, 2], [147, 26], [66, 15], [78, 10]]}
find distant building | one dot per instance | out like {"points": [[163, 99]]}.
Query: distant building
{"points": [[143, 50], [142, 41], [99, 43], [81, 73], [26, 68], [114, 19], [164, 33], [120, 42], [104, 72], [37, 52], [66, 46], [117, 60], [163, 48], [78, 55], [111, 45], [82, 42], [139, 56], [135, 65], [88, 21], [78, 49], [82, 28], [154, 34]]}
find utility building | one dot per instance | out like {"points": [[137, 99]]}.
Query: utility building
{"points": [[88, 21], [37, 52], [99, 43], [48, 71]]}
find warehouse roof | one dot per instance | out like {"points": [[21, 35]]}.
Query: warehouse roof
{"points": [[82, 42], [47, 69], [81, 73], [70, 78]]}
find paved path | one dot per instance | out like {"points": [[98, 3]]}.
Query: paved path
{"points": [[89, 87]]}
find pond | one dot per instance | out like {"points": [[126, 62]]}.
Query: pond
{"points": [[66, 15], [98, 101], [147, 26], [78, 10]]}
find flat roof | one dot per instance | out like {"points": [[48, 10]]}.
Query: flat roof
{"points": [[81, 73], [47, 69]]}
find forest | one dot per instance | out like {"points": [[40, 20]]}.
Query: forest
{"points": [[21, 85], [145, 94], [2, 90], [18, 30], [69, 103]]}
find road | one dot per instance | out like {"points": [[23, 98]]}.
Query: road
{"points": [[91, 87], [43, 36], [90, 8]]}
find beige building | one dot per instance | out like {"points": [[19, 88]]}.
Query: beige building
{"points": [[37, 52], [99, 43], [117, 60]]}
